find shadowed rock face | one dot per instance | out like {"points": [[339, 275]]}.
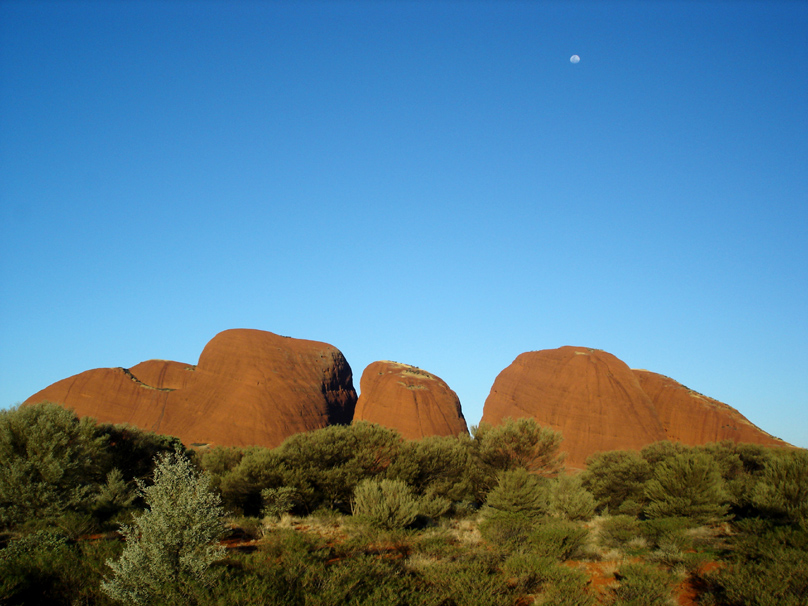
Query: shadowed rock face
{"points": [[250, 387], [600, 404], [410, 400]]}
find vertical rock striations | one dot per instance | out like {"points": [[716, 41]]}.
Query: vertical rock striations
{"points": [[410, 400], [599, 404], [593, 398], [693, 418], [250, 387]]}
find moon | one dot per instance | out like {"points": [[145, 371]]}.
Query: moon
{"points": [[575, 59]]}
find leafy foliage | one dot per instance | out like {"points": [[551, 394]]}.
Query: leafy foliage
{"points": [[518, 491], [558, 539], [171, 546], [768, 567], [50, 463], [241, 479], [642, 585], [434, 466], [85, 477], [783, 489], [324, 466], [387, 504], [687, 485], [278, 501], [46, 568], [516, 443], [619, 530], [617, 480], [568, 499]]}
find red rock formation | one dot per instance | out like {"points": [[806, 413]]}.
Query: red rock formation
{"points": [[250, 387], [693, 418], [593, 398], [599, 404], [410, 400]]}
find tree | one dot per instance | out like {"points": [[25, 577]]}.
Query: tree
{"points": [[324, 466], [51, 463], [617, 480], [783, 490], [687, 485], [170, 546], [518, 492], [569, 499], [515, 443], [434, 466]]}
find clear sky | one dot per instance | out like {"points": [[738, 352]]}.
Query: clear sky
{"points": [[428, 182]]}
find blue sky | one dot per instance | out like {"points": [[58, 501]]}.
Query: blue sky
{"points": [[428, 182]]}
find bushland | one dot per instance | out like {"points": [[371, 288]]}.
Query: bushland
{"points": [[100, 514]]}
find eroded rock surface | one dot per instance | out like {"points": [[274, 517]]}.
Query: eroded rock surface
{"points": [[600, 404], [250, 387], [593, 398], [693, 418], [410, 400]]}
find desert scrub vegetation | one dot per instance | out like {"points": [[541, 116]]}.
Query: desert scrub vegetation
{"points": [[99, 514], [169, 547]]}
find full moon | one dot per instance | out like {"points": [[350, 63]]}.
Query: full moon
{"points": [[575, 59]]}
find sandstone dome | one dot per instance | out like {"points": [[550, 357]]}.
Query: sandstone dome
{"points": [[250, 387], [600, 404], [410, 400]]}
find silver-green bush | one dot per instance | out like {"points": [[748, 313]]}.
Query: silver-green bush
{"points": [[170, 546]]}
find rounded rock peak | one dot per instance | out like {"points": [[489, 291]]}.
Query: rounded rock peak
{"points": [[410, 400]]}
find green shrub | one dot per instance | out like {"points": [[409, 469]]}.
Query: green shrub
{"points": [[76, 524], [52, 463], [433, 507], [278, 501], [779, 581], [568, 587], [616, 478], [134, 450], [687, 485], [558, 539], [436, 543], [434, 466], [286, 568], [663, 451], [783, 488], [114, 496], [768, 566], [559, 585], [618, 531], [386, 504], [219, 462], [642, 585], [363, 580], [470, 582], [568, 498], [241, 486], [662, 532], [170, 547], [325, 465], [513, 444], [518, 443], [46, 568], [507, 530], [518, 491], [530, 570]]}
